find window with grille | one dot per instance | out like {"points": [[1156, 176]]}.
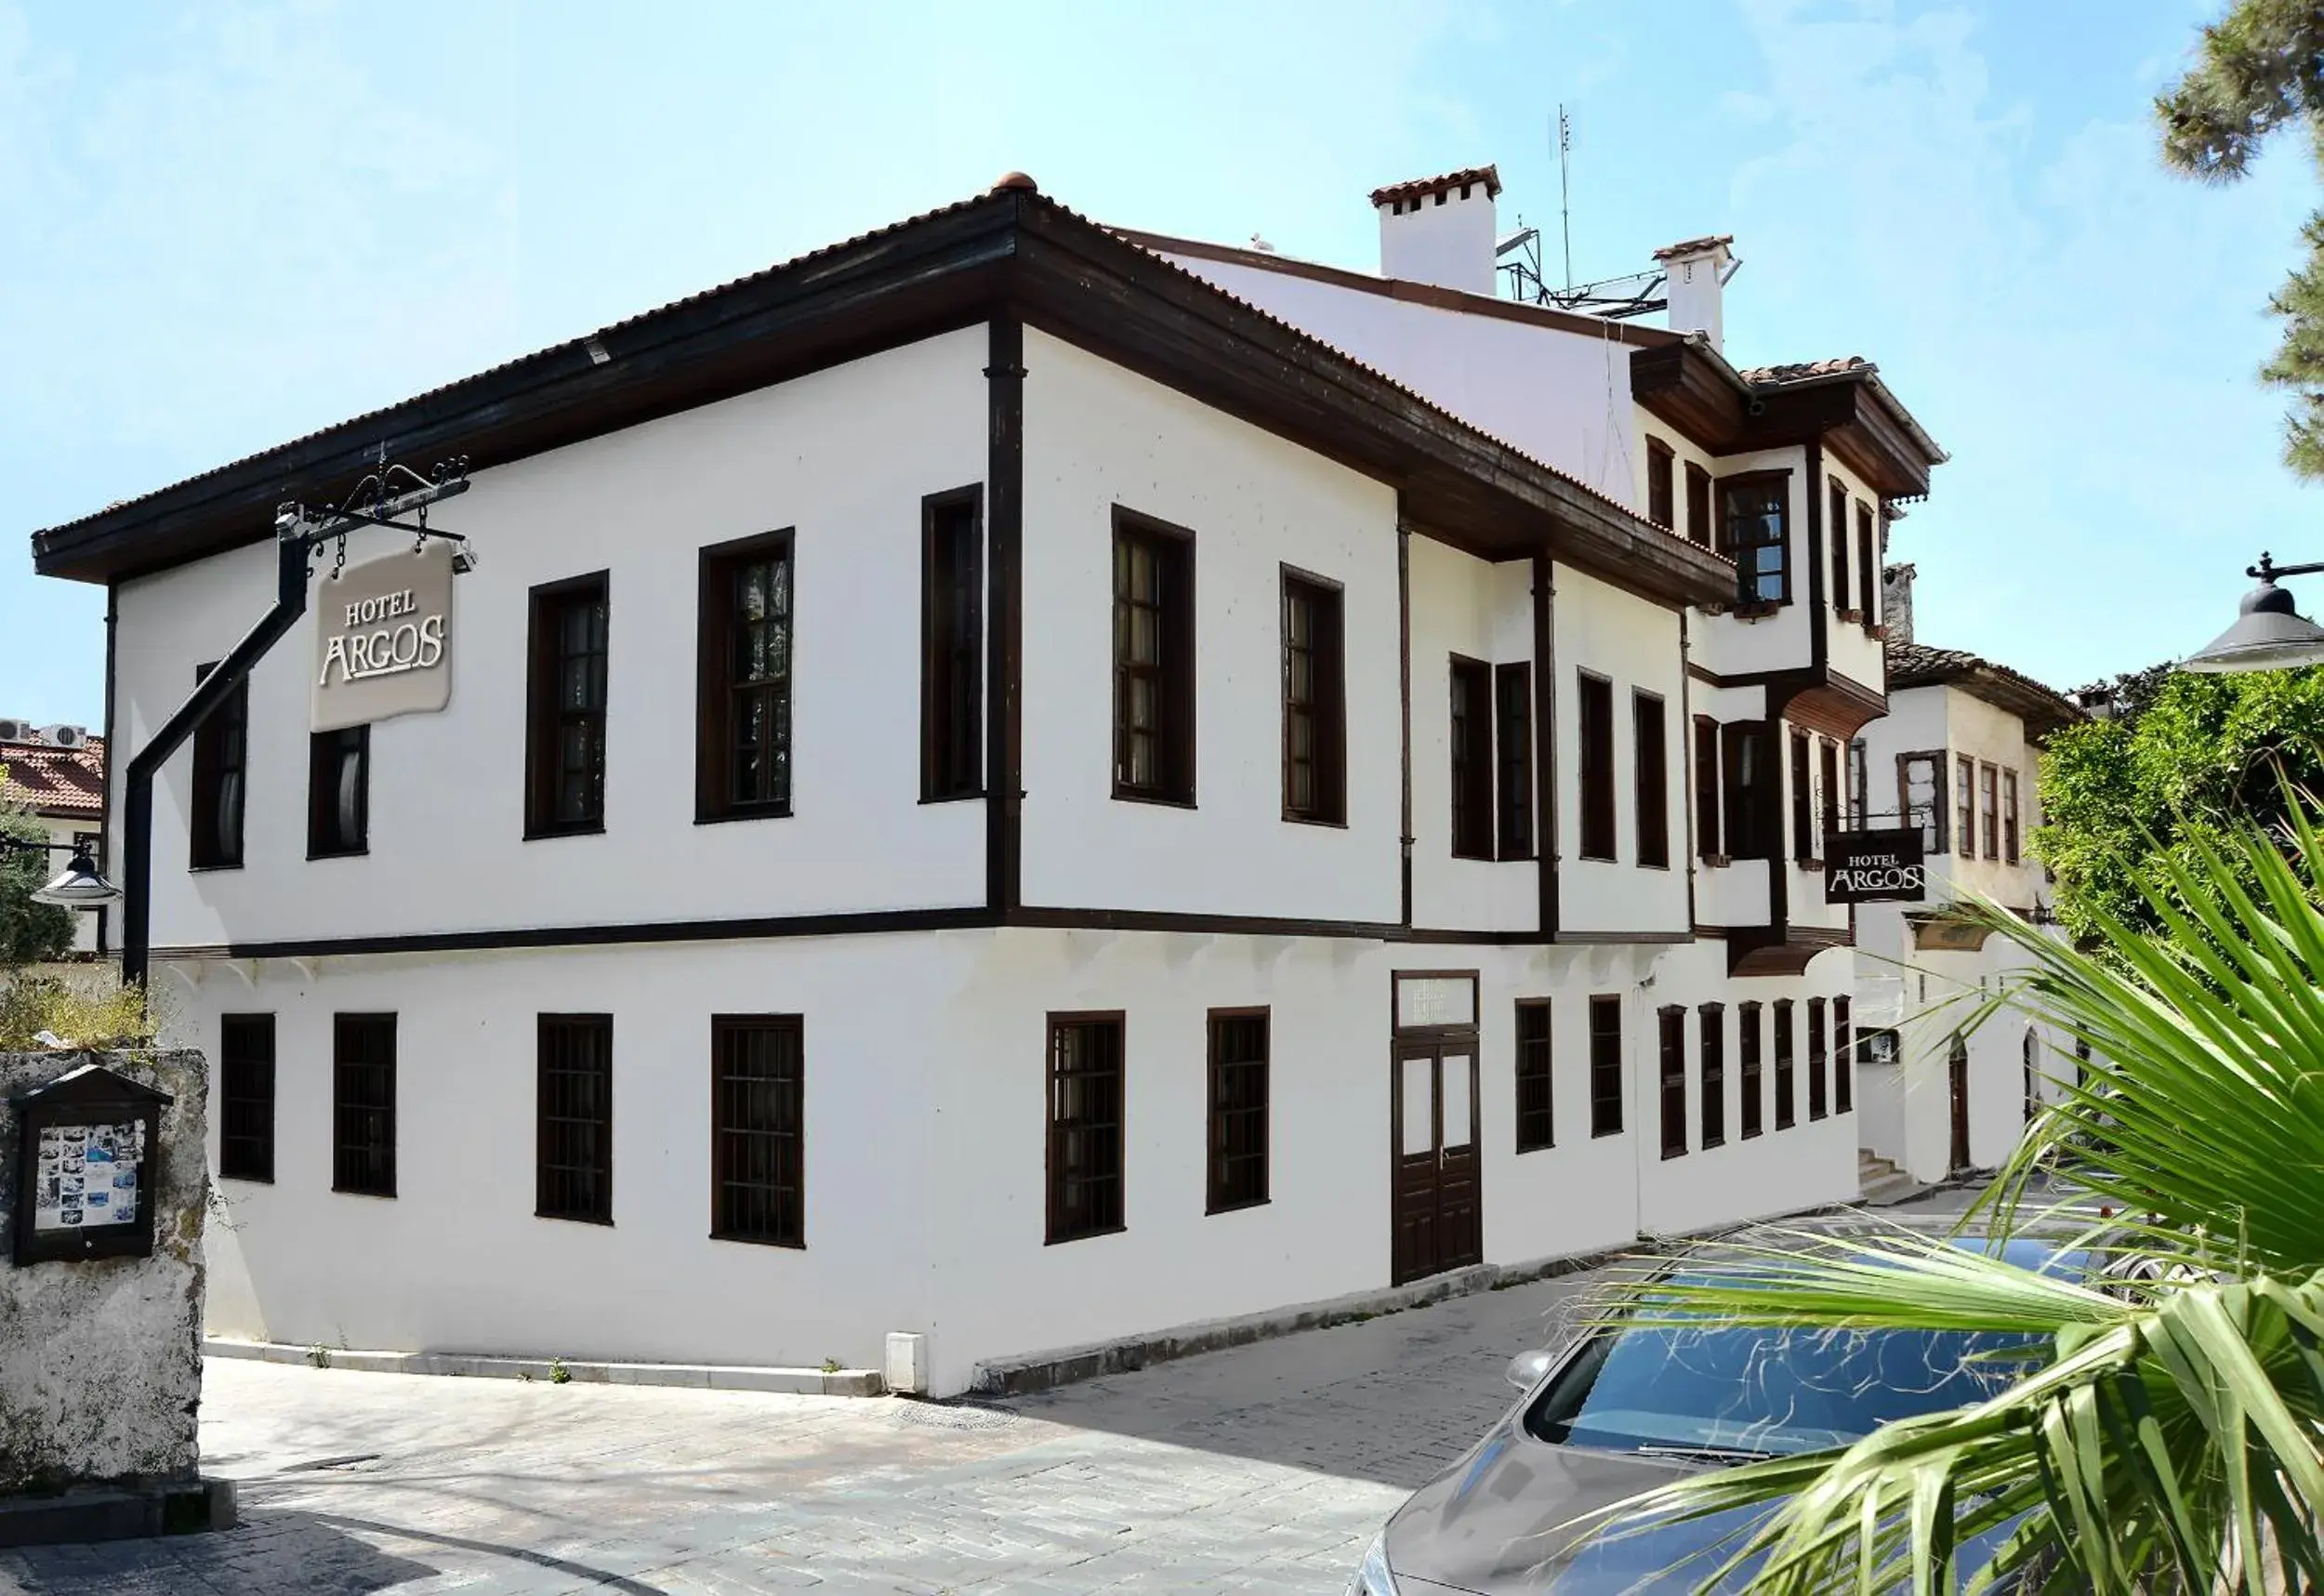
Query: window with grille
{"points": [[1314, 703], [1239, 1109], [574, 1167], [1818, 1062], [1605, 1065], [1838, 533], [1471, 741], [1512, 709], [221, 756], [362, 1104], [1085, 1126], [565, 732], [1651, 771], [1673, 1081], [1661, 483], [1867, 566], [1536, 1121], [1594, 725], [1844, 1059], [743, 703], [1153, 660], [952, 647], [757, 1136], [246, 1097], [1787, 1107], [1747, 1039], [1707, 838], [338, 792], [1712, 1017], [1754, 528]]}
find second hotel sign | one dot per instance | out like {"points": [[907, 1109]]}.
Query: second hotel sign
{"points": [[383, 638]]}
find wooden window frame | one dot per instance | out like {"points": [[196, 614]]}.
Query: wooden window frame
{"points": [[1965, 805], [1711, 1046], [573, 1161], [1650, 776], [542, 715], [1056, 1174], [1326, 709], [1827, 789], [1699, 522], [1605, 1065], [2010, 851], [1803, 783], [750, 1159], [1671, 1081], [1844, 1057], [1173, 673], [1661, 483], [1750, 599], [952, 645], [1837, 530], [1751, 1066], [325, 838], [1220, 1165], [1868, 569], [221, 800], [1597, 835], [1989, 807], [1818, 1062], [1512, 761], [379, 1180], [718, 566], [1859, 783], [1536, 1068], [1470, 756], [246, 1098], [1933, 828], [1710, 793], [1750, 825], [1784, 1046]]}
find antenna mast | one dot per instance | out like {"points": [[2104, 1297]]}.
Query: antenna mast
{"points": [[1564, 210]]}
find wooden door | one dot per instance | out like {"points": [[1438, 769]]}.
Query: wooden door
{"points": [[1438, 1208], [1957, 1074]]}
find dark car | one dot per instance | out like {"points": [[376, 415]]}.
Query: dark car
{"points": [[1624, 1410]]}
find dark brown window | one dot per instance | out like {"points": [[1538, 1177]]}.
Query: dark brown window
{"points": [[952, 646], [1965, 805], [1707, 838], [1920, 796], [338, 792], [1594, 724], [362, 1104], [1748, 768], [1660, 482], [757, 1139], [222, 757], [1472, 759], [1085, 1126], [1153, 660], [1859, 784], [1867, 566], [1651, 755], [1837, 530], [246, 1097], [1818, 1062], [1606, 1066], [1698, 503], [565, 721], [1537, 1119], [1989, 799], [574, 1167], [1844, 1059], [1827, 770], [1674, 1081], [1748, 1041], [1787, 1108], [1238, 1108], [1712, 1017], [1754, 519], [1314, 703], [743, 730], [1802, 800], [1512, 714], [2009, 816]]}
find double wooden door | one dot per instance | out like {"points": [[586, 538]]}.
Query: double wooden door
{"points": [[1439, 1222]]}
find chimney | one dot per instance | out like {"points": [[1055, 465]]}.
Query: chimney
{"points": [[1896, 603], [1441, 231], [1694, 273]]}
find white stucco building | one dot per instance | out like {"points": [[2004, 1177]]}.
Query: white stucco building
{"points": [[58, 772], [1028, 784]]}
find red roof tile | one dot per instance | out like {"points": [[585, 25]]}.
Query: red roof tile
{"points": [[67, 783], [1421, 188], [1702, 246]]}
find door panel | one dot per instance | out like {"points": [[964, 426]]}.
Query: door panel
{"points": [[1459, 1228], [1436, 1201]]}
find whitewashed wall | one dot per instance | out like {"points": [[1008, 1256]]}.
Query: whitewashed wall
{"points": [[1735, 645], [843, 455], [1855, 650]]}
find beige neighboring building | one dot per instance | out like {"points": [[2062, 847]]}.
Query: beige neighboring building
{"points": [[59, 772]]}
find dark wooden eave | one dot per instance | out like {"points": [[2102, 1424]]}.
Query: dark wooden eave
{"points": [[1693, 389], [1009, 251]]}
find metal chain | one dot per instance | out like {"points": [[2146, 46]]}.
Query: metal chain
{"points": [[340, 563]]}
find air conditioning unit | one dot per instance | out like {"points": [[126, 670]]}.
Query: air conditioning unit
{"points": [[17, 731], [63, 736]]}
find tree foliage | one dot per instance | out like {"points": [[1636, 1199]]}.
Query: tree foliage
{"points": [[30, 933], [2125, 799], [2261, 68]]}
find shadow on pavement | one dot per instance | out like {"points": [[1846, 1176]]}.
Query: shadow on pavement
{"points": [[270, 1554]]}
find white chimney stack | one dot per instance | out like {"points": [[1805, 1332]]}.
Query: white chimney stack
{"points": [[1694, 273], [1441, 231]]}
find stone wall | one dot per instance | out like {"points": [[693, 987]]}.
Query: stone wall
{"points": [[100, 1362]]}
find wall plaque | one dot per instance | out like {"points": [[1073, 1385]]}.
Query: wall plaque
{"points": [[383, 638], [1875, 868], [88, 1146]]}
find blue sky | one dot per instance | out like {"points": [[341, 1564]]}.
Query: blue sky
{"points": [[230, 224]]}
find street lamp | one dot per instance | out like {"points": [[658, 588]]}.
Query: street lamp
{"points": [[78, 886], [2269, 634]]}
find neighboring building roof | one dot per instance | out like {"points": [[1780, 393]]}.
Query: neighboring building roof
{"points": [[2043, 709], [1804, 371], [68, 783], [1702, 246], [1421, 188]]}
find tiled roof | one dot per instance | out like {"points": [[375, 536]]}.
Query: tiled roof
{"points": [[1420, 188], [1805, 371], [67, 782], [2043, 709], [1702, 246]]}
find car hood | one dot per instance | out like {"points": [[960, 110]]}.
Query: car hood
{"points": [[1499, 1523]]}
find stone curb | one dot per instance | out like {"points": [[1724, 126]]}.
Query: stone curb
{"points": [[704, 1376]]}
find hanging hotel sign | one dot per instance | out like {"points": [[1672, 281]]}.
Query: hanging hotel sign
{"points": [[383, 638], [1875, 868]]}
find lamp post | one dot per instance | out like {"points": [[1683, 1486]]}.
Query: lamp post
{"points": [[2269, 634], [78, 886]]}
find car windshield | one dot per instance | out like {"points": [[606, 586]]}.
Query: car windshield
{"points": [[1739, 1392]]}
